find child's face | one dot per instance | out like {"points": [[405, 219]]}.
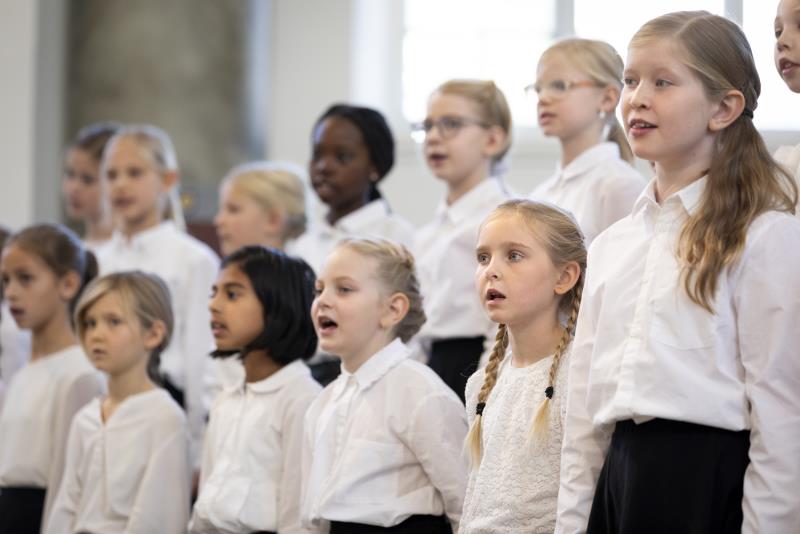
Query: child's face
{"points": [[340, 167], [136, 186], [516, 280], [665, 109], [568, 106], [35, 294], [237, 316], [460, 154], [787, 46], [114, 339], [84, 193], [242, 221], [349, 306]]}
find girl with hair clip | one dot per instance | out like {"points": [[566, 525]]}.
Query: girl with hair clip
{"points": [[466, 133], [261, 310], [578, 84], [382, 442], [127, 466], [352, 151], [684, 411], [531, 260], [141, 170], [85, 195], [44, 269], [261, 203], [787, 60]]}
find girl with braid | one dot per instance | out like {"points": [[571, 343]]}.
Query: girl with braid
{"points": [[531, 260]]}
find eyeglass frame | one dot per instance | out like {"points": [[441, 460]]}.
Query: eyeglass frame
{"points": [[420, 130], [560, 93]]}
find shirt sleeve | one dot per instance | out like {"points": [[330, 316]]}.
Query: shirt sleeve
{"points": [[584, 446], [436, 436], [65, 506], [162, 499], [767, 301]]}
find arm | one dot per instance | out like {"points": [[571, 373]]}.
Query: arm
{"points": [[65, 506], [767, 301]]}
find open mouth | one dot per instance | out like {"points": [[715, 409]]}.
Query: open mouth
{"points": [[640, 124], [785, 66], [16, 313], [493, 295], [217, 328], [326, 324], [436, 158], [546, 115]]}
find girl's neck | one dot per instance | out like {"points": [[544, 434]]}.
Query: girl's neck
{"points": [[258, 366], [98, 230], [336, 213], [456, 189], [574, 146], [534, 340], [123, 385], [146, 222], [670, 180], [274, 242], [53, 336], [353, 362]]}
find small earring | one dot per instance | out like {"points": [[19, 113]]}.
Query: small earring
{"points": [[373, 176], [602, 115]]}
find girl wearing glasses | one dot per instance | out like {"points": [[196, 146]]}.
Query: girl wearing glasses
{"points": [[578, 86], [465, 136]]}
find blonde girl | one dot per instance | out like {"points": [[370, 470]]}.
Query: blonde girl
{"points": [[127, 467], [531, 259], [578, 84], [44, 270], [261, 203], [787, 61], [141, 170], [683, 400], [382, 442], [466, 134]]}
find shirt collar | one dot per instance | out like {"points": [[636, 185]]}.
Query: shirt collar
{"points": [[689, 196], [374, 368], [587, 160], [472, 201], [356, 222], [279, 379]]}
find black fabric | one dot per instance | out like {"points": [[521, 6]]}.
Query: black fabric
{"points": [[175, 392], [21, 510], [416, 524], [455, 359], [264, 532], [668, 476], [326, 372]]}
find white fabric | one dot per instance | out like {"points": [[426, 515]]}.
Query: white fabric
{"points": [[128, 475], [643, 350], [41, 401], [789, 157], [515, 486], [598, 188], [375, 219], [251, 456], [445, 252], [15, 348], [383, 444], [189, 269]]}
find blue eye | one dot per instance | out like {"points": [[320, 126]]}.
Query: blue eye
{"points": [[662, 83], [483, 258], [629, 82], [344, 289], [515, 255]]}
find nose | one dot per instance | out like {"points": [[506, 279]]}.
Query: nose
{"points": [[492, 271], [218, 219], [213, 302], [636, 97]]}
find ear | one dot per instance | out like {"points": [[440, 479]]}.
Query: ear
{"points": [[495, 141], [68, 285], [610, 98], [729, 108], [570, 272], [395, 311], [170, 179], [276, 219], [154, 336]]}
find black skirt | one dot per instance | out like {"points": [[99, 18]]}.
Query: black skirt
{"points": [[455, 359], [416, 524], [21, 510]]}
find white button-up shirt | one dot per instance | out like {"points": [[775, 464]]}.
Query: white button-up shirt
{"points": [[374, 219], [789, 157], [251, 456], [130, 474], [189, 268], [644, 350], [445, 251], [598, 188], [384, 443]]}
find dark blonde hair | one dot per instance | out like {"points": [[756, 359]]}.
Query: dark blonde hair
{"points": [[744, 180], [603, 65], [144, 296], [563, 240], [397, 274]]}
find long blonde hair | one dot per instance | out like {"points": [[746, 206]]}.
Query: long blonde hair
{"points": [[603, 65], [744, 180], [564, 242]]}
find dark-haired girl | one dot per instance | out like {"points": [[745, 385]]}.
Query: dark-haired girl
{"points": [[44, 269], [249, 478]]}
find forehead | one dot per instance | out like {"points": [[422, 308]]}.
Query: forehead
{"points": [[658, 53], [440, 104], [108, 301], [345, 261], [233, 274], [15, 256], [556, 65], [128, 148], [338, 130], [506, 227], [787, 9]]}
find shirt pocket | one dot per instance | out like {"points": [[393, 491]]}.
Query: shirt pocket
{"points": [[677, 321], [369, 472]]}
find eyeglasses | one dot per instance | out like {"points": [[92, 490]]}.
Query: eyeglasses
{"points": [[556, 89], [448, 127]]}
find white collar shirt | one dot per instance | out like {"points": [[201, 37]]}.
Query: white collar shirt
{"points": [[598, 188], [789, 157], [644, 350], [384, 443]]}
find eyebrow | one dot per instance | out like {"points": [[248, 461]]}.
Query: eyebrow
{"points": [[504, 244]]}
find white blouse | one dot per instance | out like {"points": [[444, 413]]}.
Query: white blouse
{"points": [[130, 474], [15, 348], [384, 443], [644, 350], [189, 269], [375, 219], [41, 401], [515, 486], [445, 252], [250, 478], [598, 188], [789, 157]]}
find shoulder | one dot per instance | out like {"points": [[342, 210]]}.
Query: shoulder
{"points": [[617, 173], [474, 384], [773, 237], [188, 249], [87, 419], [411, 379], [164, 413]]}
